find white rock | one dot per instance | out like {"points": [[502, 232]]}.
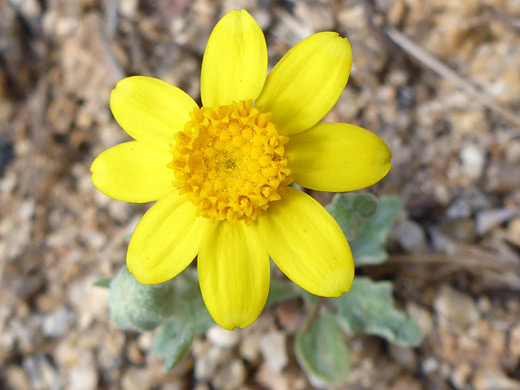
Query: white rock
{"points": [[83, 377], [514, 342], [56, 323], [430, 365], [461, 375], [404, 356], [41, 373], [231, 375], [16, 378], [272, 380], [249, 348], [66, 352], [222, 337], [455, 308], [274, 350], [473, 160], [206, 365], [513, 152], [90, 301], [137, 379], [513, 231], [489, 379], [488, 219], [128, 8], [411, 237], [421, 316]]}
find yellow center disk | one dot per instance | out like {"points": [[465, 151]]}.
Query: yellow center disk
{"points": [[229, 161]]}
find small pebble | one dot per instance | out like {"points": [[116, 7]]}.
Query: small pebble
{"points": [[274, 350], [57, 323], [222, 337], [231, 375], [411, 236], [455, 308], [473, 160], [488, 219], [207, 364]]}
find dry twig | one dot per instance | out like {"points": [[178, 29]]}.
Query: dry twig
{"points": [[440, 68], [471, 258]]}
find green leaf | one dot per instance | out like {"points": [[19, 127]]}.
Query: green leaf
{"points": [[369, 307], [203, 320], [104, 283], [188, 290], [190, 316], [368, 247], [322, 352], [308, 298], [174, 338], [351, 211], [139, 307], [187, 285], [280, 291]]}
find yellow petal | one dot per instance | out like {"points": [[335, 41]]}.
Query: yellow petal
{"points": [[337, 157], [307, 82], [165, 241], [150, 110], [133, 172], [233, 273], [307, 244], [235, 61]]}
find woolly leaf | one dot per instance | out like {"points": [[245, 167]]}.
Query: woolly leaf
{"points": [[351, 211], [139, 307], [368, 248], [322, 353], [173, 340], [280, 291], [369, 307]]}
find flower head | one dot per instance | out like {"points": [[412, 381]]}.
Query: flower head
{"points": [[220, 172], [229, 161]]}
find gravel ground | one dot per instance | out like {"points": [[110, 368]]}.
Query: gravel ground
{"points": [[438, 80]]}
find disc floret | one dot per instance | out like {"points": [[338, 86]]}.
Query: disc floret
{"points": [[229, 161]]}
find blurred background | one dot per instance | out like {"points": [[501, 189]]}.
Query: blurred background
{"points": [[438, 80]]}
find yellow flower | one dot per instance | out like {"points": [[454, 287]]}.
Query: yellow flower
{"points": [[220, 173]]}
